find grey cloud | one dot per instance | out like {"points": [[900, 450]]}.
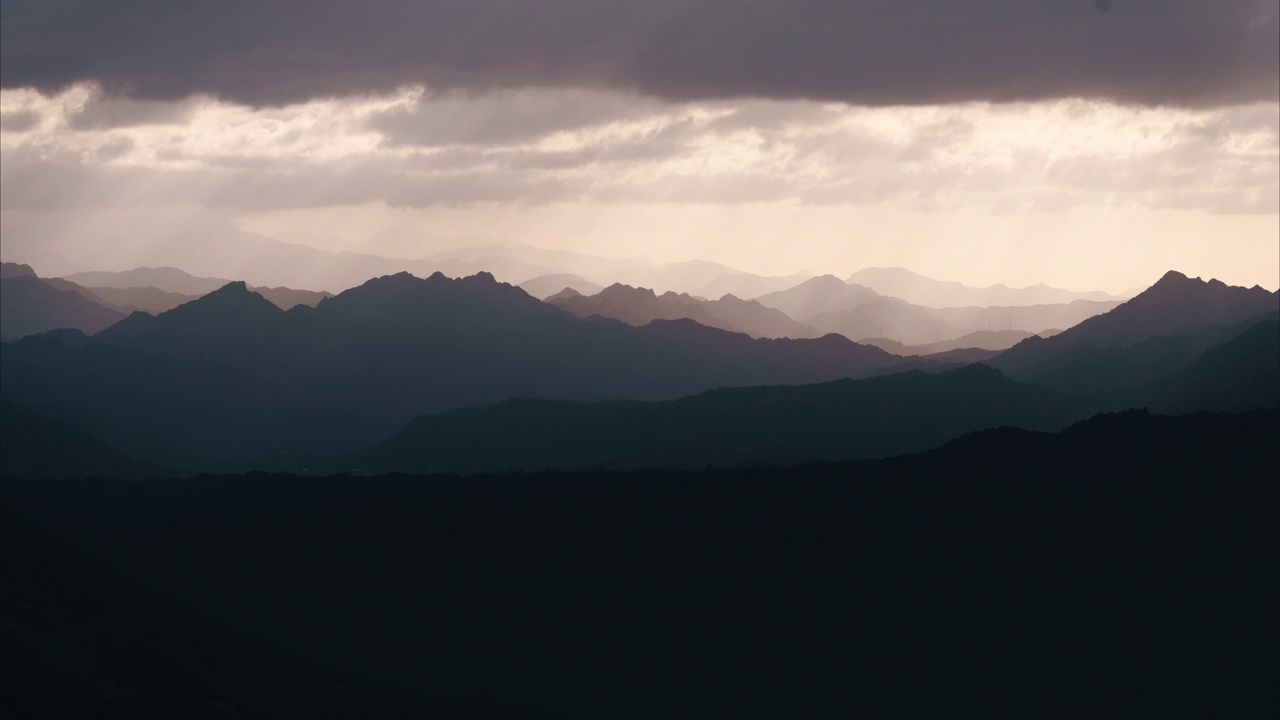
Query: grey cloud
{"points": [[104, 112], [504, 118], [873, 52], [19, 120]]}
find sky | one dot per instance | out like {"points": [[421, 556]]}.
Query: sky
{"points": [[1087, 144]]}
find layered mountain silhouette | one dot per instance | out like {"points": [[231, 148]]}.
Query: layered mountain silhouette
{"points": [[366, 361], [829, 304], [640, 306], [156, 290], [1142, 340], [30, 304], [544, 286], [840, 420], [920, 290]]}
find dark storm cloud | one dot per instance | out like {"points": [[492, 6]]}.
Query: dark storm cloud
{"points": [[874, 52]]}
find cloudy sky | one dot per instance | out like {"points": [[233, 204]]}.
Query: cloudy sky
{"points": [[1083, 143]]}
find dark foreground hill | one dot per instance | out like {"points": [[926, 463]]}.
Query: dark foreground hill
{"points": [[1124, 567], [780, 425]]}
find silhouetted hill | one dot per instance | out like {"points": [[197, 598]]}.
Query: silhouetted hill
{"points": [[1125, 563], [640, 306], [37, 447], [1143, 342], [12, 270], [29, 305], [1238, 375], [544, 286], [267, 385], [185, 412], [1175, 305], [840, 420], [920, 290]]}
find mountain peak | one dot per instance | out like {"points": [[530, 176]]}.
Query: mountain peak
{"points": [[1173, 277]]}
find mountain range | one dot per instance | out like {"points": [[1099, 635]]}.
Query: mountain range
{"points": [[920, 290], [641, 306], [362, 363], [231, 381]]}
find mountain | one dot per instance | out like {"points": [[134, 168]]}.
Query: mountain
{"points": [[1176, 306], [640, 306], [747, 285], [544, 286], [982, 340], [13, 270], [829, 304], [156, 290], [881, 316], [29, 305], [840, 420], [145, 299], [230, 380], [812, 297], [920, 290], [165, 279]]}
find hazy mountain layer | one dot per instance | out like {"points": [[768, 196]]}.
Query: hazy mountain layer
{"points": [[920, 290], [829, 304], [640, 306], [29, 305]]}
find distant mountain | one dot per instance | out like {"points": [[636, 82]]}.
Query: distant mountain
{"points": [[1174, 306], [982, 339], [225, 379], [829, 304], [920, 290], [29, 305], [747, 285], [544, 286], [165, 279], [640, 306], [145, 299], [825, 293], [156, 290], [841, 420], [900, 320]]}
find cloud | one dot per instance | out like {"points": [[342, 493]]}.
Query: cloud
{"points": [[1029, 156], [1186, 53]]}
